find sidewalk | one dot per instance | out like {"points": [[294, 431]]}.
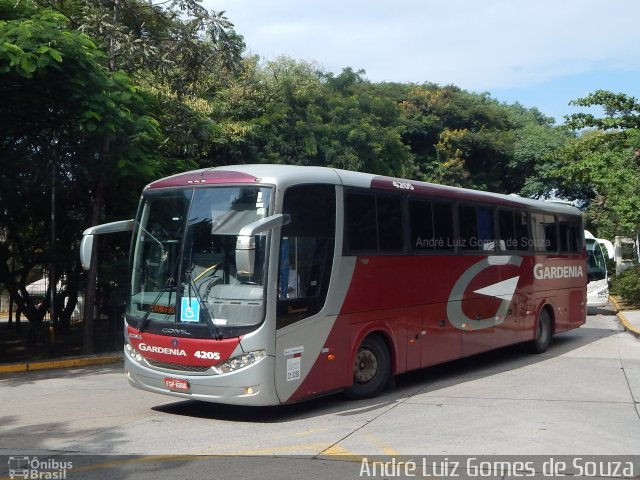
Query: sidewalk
{"points": [[630, 319], [61, 362], [68, 362]]}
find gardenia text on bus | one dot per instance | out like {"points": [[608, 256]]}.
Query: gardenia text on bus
{"points": [[567, 271]]}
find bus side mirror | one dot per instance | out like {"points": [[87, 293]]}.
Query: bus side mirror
{"points": [[86, 249], [86, 246], [246, 242]]}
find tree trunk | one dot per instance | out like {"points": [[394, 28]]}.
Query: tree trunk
{"points": [[96, 214], [88, 346]]}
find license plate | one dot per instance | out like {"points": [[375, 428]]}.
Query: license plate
{"points": [[177, 384]]}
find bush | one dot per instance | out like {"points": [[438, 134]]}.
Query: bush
{"points": [[627, 286]]}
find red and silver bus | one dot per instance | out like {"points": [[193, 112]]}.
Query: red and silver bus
{"points": [[270, 284]]}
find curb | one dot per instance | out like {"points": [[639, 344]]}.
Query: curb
{"points": [[62, 363], [625, 323]]}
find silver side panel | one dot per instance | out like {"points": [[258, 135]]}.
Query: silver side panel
{"points": [[305, 339]]}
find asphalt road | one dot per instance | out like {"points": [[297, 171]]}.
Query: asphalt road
{"points": [[580, 398]]}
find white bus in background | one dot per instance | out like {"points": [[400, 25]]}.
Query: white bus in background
{"points": [[597, 277]]}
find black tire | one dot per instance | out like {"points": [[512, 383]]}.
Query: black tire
{"points": [[542, 339], [371, 369]]}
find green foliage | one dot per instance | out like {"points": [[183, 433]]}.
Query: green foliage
{"points": [[600, 167], [60, 105], [627, 286], [471, 140], [177, 51], [621, 112], [597, 169], [536, 140], [28, 45], [292, 112]]}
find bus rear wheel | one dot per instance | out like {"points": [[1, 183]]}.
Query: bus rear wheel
{"points": [[542, 339], [371, 369]]}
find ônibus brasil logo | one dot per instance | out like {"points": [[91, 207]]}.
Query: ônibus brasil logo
{"points": [[33, 468]]}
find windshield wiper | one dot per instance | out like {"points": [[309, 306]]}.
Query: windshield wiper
{"points": [[208, 318], [169, 285], [146, 320], [153, 237]]}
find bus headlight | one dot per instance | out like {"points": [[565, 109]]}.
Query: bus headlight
{"points": [[241, 361], [133, 353]]}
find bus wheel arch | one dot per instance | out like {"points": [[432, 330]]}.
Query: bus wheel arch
{"points": [[544, 330], [372, 367]]}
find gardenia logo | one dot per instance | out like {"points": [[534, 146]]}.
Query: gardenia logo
{"points": [[164, 350], [542, 273]]}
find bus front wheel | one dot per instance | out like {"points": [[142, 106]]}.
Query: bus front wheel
{"points": [[542, 339], [371, 369]]}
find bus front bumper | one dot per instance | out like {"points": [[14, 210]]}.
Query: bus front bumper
{"points": [[252, 385]]}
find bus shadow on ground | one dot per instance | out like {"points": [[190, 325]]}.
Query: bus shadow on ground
{"points": [[425, 380]]}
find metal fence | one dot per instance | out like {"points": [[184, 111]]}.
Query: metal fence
{"points": [[38, 291], [107, 328]]}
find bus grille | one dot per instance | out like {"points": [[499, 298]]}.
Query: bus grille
{"points": [[176, 367]]}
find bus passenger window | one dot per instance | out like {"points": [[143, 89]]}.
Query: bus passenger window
{"points": [[431, 225], [514, 231], [360, 222], [373, 223], [486, 233], [421, 225], [443, 226], [575, 236], [468, 221], [564, 235], [390, 230], [544, 233], [476, 228], [569, 235], [507, 229], [522, 230]]}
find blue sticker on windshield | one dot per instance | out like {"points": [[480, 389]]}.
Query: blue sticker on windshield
{"points": [[190, 309]]}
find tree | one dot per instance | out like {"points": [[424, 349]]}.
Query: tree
{"points": [[600, 167], [111, 92], [59, 105], [176, 50], [621, 112], [536, 140], [469, 139], [292, 112]]}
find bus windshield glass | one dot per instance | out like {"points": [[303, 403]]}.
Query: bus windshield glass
{"points": [[183, 262], [596, 266]]}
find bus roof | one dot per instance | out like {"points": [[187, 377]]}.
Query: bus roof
{"points": [[286, 175]]}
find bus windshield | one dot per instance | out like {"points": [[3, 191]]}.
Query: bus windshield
{"points": [[596, 266], [183, 261]]}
